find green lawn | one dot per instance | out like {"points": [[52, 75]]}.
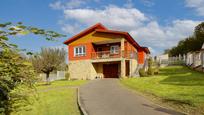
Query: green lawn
{"points": [[177, 85], [54, 99], [60, 83]]}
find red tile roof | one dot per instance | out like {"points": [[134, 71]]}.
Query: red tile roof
{"points": [[101, 28], [86, 31], [146, 49]]}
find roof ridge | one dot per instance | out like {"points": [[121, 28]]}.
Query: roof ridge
{"points": [[92, 28]]}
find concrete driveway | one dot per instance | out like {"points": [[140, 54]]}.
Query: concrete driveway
{"points": [[107, 97]]}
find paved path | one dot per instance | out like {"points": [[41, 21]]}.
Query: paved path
{"points": [[107, 97]]}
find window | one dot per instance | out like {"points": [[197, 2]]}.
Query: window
{"points": [[79, 51], [114, 49]]}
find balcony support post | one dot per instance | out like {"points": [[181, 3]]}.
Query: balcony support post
{"points": [[122, 47], [123, 68]]}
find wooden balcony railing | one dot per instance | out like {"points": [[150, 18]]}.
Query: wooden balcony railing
{"points": [[117, 54]]}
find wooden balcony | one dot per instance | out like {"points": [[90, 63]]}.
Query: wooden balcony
{"points": [[117, 54]]}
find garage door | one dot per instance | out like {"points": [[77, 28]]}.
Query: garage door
{"points": [[110, 70]]}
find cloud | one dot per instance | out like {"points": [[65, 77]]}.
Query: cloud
{"points": [[112, 16], [128, 4], [162, 37], [71, 28], [67, 5], [146, 31], [198, 5], [148, 3]]}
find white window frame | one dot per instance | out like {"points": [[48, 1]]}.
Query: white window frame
{"points": [[114, 49], [79, 51]]}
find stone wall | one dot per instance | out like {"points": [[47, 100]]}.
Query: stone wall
{"points": [[82, 69]]}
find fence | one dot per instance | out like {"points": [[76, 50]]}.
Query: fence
{"points": [[53, 76], [176, 60], [172, 61]]}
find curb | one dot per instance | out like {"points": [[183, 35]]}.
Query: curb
{"points": [[82, 110]]}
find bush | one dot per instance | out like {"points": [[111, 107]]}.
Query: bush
{"points": [[150, 71], [67, 76], [142, 72], [156, 71]]}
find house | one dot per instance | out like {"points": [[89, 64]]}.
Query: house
{"points": [[202, 56], [98, 52], [189, 58], [196, 59], [163, 60]]}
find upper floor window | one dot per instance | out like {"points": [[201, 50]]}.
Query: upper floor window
{"points": [[114, 49], [79, 51]]}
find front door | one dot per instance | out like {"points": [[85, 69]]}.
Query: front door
{"points": [[110, 70]]}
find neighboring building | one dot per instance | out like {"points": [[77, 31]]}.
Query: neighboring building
{"points": [[189, 59], [98, 52], [163, 60], [196, 59], [202, 56]]}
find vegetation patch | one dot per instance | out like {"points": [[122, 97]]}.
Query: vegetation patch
{"points": [[179, 86], [57, 98]]}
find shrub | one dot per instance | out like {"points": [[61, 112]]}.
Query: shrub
{"points": [[67, 76], [142, 72], [150, 71], [156, 71]]}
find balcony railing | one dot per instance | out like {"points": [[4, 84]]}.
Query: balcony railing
{"points": [[117, 54]]}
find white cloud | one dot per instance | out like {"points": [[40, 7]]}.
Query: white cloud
{"points": [[148, 3], [112, 16], [162, 37], [128, 4], [146, 31], [71, 29], [56, 5], [66, 5], [198, 5]]}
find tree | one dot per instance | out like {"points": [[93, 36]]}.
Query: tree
{"points": [[15, 70], [166, 51], [199, 34], [192, 43], [48, 60]]}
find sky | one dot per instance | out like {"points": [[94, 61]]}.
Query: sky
{"points": [[156, 24]]}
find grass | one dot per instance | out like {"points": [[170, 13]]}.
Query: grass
{"points": [[178, 86], [60, 83], [54, 99]]}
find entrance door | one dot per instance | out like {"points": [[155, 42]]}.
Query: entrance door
{"points": [[110, 70]]}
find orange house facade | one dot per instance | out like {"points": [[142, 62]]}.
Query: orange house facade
{"points": [[98, 52]]}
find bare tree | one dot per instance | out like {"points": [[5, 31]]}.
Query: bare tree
{"points": [[48, 60]]}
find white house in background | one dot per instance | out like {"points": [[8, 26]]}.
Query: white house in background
{"points": [[202, 56], [163, 59], [196, 59], [189, 59]]}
